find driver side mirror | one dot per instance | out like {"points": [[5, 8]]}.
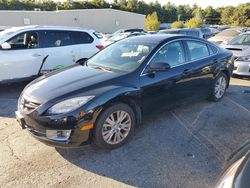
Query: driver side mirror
{"points": [[6, 46], [158, 67], [82, 61]]}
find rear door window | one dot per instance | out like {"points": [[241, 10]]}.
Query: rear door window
{"points": [[197, 50], [57, 39]]}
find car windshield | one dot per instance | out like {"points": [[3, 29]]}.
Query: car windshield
{"points": [[125, 55], [4, 34], [241, 40]]}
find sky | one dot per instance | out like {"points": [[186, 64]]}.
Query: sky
{"points": [[202, 3]]}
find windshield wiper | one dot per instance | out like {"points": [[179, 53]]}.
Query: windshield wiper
{"points": [[103, 68]]}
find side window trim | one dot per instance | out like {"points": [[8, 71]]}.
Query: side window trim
{"points": [[186, 53], [189, 54]]}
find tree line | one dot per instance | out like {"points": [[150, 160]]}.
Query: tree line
{"points": [[166, 13]]}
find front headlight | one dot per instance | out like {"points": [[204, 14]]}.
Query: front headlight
{"points": [[244, 58], [227, 178], [69, 105]]}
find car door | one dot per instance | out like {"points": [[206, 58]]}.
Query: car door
{"points": [[59, 50], [85, 44], [23, 59], [199, 70], [165, 89]]}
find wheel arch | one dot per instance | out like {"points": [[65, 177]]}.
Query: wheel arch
{"points": [[226, 72], [132, 103]]}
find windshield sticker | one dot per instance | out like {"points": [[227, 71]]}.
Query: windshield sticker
{"points": [[130, 54]]}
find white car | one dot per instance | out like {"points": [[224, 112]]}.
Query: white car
{"points": [[27, 52]]}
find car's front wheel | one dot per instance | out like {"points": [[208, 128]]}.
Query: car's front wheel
{"points": [[114, 126], [219, 87]]}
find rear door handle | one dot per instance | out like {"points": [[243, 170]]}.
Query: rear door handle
{"points": [[186, 72], [36, 55]]}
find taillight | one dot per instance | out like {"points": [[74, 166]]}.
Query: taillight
{"points": [[100, 47]]}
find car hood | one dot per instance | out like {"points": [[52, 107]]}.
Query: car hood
{"points": [[220, 38], [238, 50], [68, 82]]}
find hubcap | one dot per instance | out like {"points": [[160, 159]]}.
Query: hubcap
{"points": [[116, 127], [220, 87]]}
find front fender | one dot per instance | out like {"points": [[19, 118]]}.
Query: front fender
{"points": [[111, 93]]}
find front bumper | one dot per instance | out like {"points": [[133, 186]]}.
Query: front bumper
{"points": [[37, 127], [241, 68]]}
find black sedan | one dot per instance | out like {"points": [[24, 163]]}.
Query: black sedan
{"points": [[103, 100]]}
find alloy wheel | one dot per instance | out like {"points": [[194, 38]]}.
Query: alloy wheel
{"points": [[220, 87], [116, 127]]}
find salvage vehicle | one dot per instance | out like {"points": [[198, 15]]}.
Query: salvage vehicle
{"points": [[27, 52], [225, 36], [240, 46], [102, 100]]}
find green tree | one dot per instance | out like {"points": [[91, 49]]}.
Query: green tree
{"points": [[152, 23], [132, 5], [226, 15], [193, 23], [177, 24], [241, 15], [170, 13], [211, 15]]}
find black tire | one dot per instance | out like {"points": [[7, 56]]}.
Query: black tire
{"points": [[213, 96], [98, 130]]}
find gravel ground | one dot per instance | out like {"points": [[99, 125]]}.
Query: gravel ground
{"points": [[185, 147]]}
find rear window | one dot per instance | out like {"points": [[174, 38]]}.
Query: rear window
{"points": [[82, 37], [98, 35], [212, 49], [65, 38]]}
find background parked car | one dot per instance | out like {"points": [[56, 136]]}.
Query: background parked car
{"points": [[225, 36], [121, 36], [29, 51], [131, 30], [199, 32], [240, 46], [3, 28]]}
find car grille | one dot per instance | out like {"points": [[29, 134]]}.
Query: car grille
{"points": [[27, 104]]}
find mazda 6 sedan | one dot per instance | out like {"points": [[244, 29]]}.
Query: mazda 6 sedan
{"points": [[103, 99]]}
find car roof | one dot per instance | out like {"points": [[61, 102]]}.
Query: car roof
{"points": [[38, 27], [157, 38]]}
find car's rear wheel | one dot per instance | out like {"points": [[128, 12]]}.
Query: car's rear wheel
{"points": [[114, 126], [219, 87]]}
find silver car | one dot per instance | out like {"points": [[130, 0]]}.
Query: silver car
{"points": [[240, 46]]}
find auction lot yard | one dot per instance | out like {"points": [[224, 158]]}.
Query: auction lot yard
{"points": [[185, 147]]}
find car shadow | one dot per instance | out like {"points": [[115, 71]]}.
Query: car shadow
{"points": [[161, 154], [170, 153]]}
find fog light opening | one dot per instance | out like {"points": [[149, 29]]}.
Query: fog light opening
{"points": [[58, 135]]}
